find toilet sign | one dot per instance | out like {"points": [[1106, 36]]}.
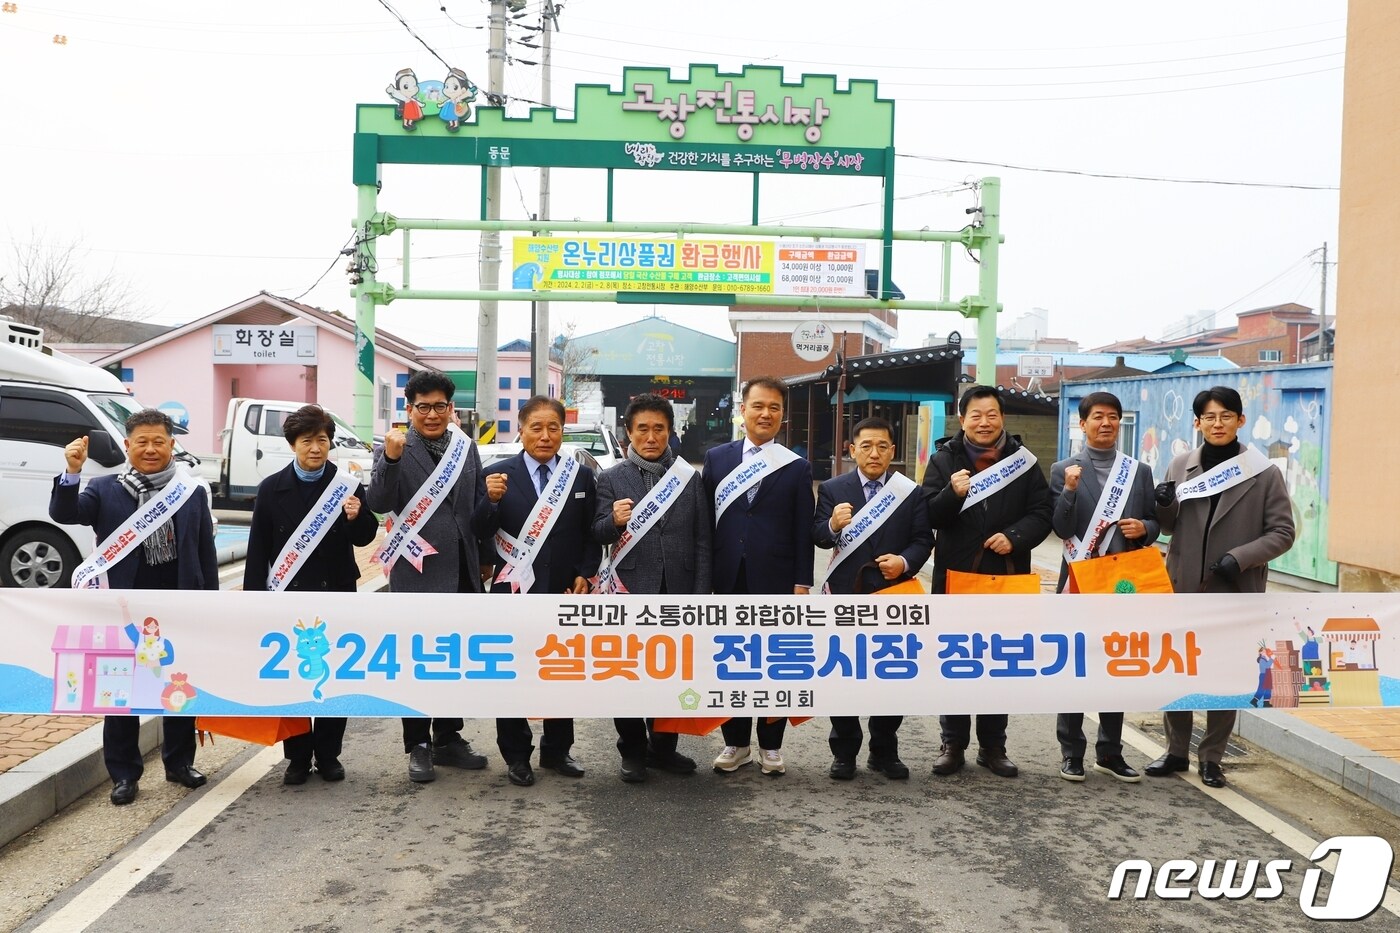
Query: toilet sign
{"points": [[812, 341]]}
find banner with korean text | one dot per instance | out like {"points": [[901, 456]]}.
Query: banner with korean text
{"points": [[347, 654]]}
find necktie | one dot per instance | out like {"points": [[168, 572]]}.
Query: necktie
{"points": [[872, 489], [753, 490], [544, 477]]}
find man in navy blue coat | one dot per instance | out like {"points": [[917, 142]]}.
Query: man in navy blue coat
{"points": [[763, 540], [179, 555], [563, 562], [892, 553]]}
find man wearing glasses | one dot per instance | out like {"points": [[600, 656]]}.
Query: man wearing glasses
{"points": [[877, 522], [1227, 510], [450, 563]]}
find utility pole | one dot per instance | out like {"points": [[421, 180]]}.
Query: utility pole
{"points": [[539, 346], [487, 321], [1322, 348]]}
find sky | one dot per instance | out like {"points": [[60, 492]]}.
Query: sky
{"points": [[202, 152]]}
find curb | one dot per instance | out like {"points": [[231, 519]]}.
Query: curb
{"points": [[1370, 775], [40, 787]]}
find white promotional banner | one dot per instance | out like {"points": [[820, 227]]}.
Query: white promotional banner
{"points": [[502, 655]]}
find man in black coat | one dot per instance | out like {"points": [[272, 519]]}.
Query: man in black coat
{"points": [[995, 534], [892, 552]]}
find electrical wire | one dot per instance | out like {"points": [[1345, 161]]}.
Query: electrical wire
{"points": [[1122, 176], [341, 252]]}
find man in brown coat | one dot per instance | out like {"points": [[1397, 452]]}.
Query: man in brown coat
{"points": [[1221, 543]]}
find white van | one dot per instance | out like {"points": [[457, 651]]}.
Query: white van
{"points": [[46, 400], [254, 449]]}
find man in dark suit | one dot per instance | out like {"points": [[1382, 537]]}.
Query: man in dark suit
{"points": [[892, 552], [763, 537], [179, 555], [996, 534], [401, 468], [561, 562], [671, 555], [1076, 485]]}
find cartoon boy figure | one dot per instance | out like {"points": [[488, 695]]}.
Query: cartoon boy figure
{"points": [[458, 94], [404, 91]]}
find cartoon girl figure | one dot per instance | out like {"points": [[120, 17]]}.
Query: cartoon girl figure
{"points": [[404, 91], [458, 94]]}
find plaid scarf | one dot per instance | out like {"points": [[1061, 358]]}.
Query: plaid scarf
{"points": [[983, 457], [160, 546]]}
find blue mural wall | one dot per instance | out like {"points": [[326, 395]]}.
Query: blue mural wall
{"points": [[1287, 416]]}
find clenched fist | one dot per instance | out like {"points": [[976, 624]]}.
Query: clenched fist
{"points": [[495, 486], [393, 443], [961, 482], [1072, 477], [76, 454], [622, 512], [841, 516], [352, 508]]}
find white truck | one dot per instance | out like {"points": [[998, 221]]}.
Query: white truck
{"points": [[254, 449], [46, 400]]}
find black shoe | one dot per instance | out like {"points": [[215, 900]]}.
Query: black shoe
{"points": [[1253, 701], [1072, 769], [331, 770], [1211, 775], [672, 761], [891, 767], [123, 793], [949, 761], [1167, 764], [420, 765], [842, 769], [457, 752], [520, 773], [296, 773], [1118, 768], [563, 764], [994, 760], [634, 770], [185, 775]]}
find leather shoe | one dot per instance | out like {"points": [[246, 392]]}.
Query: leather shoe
{"points": [[331, 770], [842, 769], [949, 761], [296, 773], [1118, 768], [891, 767], [520, 773], [123, 793], [995, 761], [1167, 764], [1211, 774], [420, 764], [672, 761], [564, 764], [185, 775], [1072, 769], [457, 752], [634, 771]]}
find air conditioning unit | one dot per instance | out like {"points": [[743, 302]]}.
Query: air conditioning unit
{"points": [[21, 335]]}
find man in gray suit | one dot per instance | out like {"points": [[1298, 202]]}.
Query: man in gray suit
{"points": [[400, 469], [1221, 543], [1077, 487], [670, 555]]}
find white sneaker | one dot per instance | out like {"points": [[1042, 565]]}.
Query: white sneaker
{"points": [[771, 761], [732, 758]]}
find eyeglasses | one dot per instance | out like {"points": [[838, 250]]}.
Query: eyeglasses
{"points": [[1225, 417], [880, 448], [424, 408]]}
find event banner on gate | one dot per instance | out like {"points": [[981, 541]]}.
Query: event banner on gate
{"points": [[347, 654], [750, 267]]}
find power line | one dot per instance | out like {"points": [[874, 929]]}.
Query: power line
{"points": [[1122, 176], [344, 250]]}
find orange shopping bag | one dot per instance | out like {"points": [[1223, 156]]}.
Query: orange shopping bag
{"points": [[910, 587], [264, 730], [960, 582], [1137, 571]]}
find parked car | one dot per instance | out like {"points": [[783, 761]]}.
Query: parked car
{"points": [[495, 453]]}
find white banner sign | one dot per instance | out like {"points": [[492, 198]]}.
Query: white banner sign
{"points": [[253, 653], [820, 269], [256, 343]]}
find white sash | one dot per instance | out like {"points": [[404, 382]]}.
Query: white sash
{"points": [[92, 573], [403, 533], [520, 552], [645, 516], [997, 477], [868, 520], [750, 473], [311, 533], [1245, 465], [1107, 511]]}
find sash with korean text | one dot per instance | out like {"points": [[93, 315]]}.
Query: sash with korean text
{"points": [[160, 508], [403, 539], [1247, 464], [519, 553], [312, 532], [750, 473], [997, 477], [867, 521], [1107, 511], [646, 515]]}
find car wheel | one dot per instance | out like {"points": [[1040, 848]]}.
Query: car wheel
{"points": [[37, 557]]}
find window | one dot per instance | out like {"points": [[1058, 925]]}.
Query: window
{"points": [[401, 380], [503, 428], [505, 382], [1271, 356], [41, 418], [272, 426], [523, 383], [1127, 434], [502, 404], [384, 401]]}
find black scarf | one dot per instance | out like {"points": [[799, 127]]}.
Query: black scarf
{"points": [[437, 446]]}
